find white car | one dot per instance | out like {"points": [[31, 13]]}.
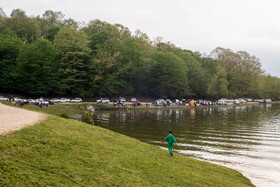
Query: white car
{"points": [[236, 101], [31, 101], [76, 100], [64, 100], [242, 101], [249, 100], [103, 100], [2, 98], [133, 99], [17, 99], [222, 101], [55, 100], [41, 101], [268, 100]]}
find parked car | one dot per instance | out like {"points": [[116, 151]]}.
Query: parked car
{"points": [[50, 102], [178, 102], [259, 100], [119, 101], [242, 101], [222, 101], [31, 101], [160, 102], [76, 100], [122, 98], [17, 99], [268, 101], [41, 101], [64, 100], [2, 98], [169, 102], [249, 100], [206, 103], [55, 100], [103, 100], [236, 101], [133, 99], [185, 101]]}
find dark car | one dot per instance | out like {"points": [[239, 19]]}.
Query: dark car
{"points": [[119, 101], [186, 101]]}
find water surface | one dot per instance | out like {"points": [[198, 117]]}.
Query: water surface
{"points": [[245, 138]]}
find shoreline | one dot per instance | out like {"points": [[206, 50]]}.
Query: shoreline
{"points": [[130, 106]]}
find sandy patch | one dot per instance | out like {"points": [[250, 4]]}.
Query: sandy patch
{"points": [[13, 119]]}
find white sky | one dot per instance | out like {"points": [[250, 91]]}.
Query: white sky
{"points": [[198, 25]]}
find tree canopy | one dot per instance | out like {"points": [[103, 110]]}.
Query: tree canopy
{"points": [[49, 54]]}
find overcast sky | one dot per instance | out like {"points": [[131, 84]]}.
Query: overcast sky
{"points": [[198, 25]]}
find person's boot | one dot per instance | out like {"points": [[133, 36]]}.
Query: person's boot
{"points": [[171, 154]]}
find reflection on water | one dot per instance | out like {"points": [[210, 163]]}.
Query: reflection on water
{"points": [[245, 138]]}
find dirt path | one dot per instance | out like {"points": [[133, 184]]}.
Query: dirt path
{"points": [[13, 119]]}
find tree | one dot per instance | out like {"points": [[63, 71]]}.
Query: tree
{"points": [[218, 86], [26, 28], [51, 33], [37, 69], [10, 45], [241, 68], [53, 18], [168, 76], [269, 87], [51, 22], [196, 75], [72, 45], [2, 13]]}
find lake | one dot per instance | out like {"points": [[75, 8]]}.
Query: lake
{"points": [[245, 138]]}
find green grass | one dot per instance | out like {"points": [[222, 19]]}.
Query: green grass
{"points": [[65, 110], [64, 152]]}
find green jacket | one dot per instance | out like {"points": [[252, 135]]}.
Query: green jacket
{"points": [[170, 139]]}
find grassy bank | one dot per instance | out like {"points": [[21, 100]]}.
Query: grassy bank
{"points": [[64, 110], [63, 152]]}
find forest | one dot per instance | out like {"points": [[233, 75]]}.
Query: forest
{"points": [[51, 55]]}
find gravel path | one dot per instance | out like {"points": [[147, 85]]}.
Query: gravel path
{"points": [[13, 119]]}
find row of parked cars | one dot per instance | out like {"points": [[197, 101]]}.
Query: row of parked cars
{"points": [[225, 101], [117, 102], [177, 102], [42, 101], [120, 101], [106, 100]]}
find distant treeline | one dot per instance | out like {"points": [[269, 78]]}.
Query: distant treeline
{"points": [[50, 55]]}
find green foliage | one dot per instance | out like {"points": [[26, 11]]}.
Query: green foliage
{"points": [[103, 59], [10, 46], [72, 46], [26, 28], [51, 33], [242, 70], [168, 76], [37, 70], [219, 86], [196, 75]]}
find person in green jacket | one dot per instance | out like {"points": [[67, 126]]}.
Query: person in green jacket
{"points": [[170, 139]]}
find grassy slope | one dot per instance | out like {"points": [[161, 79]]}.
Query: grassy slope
{"points": [[63, 152]]}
